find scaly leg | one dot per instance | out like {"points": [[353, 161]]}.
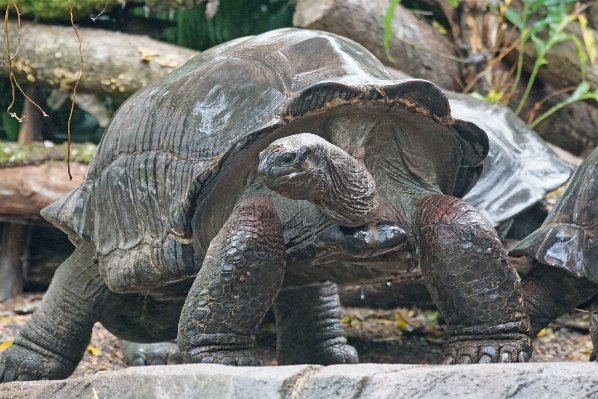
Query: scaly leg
{"points": [[238, 281], [53, 341], [469, 277], [550, 292], [309, 329]]}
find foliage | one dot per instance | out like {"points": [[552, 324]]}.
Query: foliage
{"points": [[9, 129], [558, 15], [550, 19], [234, 18], [57, 9], [390, 12]]}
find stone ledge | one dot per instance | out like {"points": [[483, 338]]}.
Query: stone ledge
{"points": [[380, 381]]}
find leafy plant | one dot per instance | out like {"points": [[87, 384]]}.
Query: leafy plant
{"points": [[550, 21], [233, 19], [559, 14]]}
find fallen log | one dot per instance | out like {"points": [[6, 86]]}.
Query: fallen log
{"points": [[25, 190], [116, 64], [362, 21]]}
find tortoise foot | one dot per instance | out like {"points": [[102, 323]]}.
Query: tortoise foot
{"points": [[21, 364], [338, 353], [159, 353], [510, 350], [241, 357]]}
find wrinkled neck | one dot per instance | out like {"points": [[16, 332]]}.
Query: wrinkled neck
{"points": [[349, 197]]}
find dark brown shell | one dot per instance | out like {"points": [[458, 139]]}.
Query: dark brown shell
{"points": [[161, 160], [568, 239]]}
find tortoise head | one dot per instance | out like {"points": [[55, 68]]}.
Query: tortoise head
{"points": [[307, 167]]}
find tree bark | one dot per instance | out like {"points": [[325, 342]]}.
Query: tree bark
{"points": [[25, 190], [32, 126], [13, 241], [362, 21], [116, 64]]}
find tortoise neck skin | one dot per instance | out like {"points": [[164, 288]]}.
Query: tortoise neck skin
{"points": [[307, 167]]}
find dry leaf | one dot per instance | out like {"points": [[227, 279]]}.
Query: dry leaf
{"points": [[93, 351], [439, 27], [5, 344], [169, 63], [588, 38], [9, 320], [147, 54]]}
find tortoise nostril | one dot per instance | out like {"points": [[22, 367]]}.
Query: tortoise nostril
{"points": [[263, 169]]}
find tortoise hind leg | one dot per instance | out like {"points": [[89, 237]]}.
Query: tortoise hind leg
{"points": [[238, 281], [53, 341], [469, 277], [550, 292], [309, 329]]}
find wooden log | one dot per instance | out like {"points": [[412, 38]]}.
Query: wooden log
{"points": [[25, 190], [362, 21], [116, 64]]}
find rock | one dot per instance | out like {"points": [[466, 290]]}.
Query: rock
{"points": [[521, 380]]}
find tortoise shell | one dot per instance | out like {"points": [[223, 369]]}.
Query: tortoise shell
{"points": [[568, 239], [519, 169], [180, 152]]}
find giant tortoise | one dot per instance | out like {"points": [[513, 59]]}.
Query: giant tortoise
{"points": [[559, 261], [256, 175]]}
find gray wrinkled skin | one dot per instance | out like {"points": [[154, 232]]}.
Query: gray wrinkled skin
{"points": [[186, 231]]}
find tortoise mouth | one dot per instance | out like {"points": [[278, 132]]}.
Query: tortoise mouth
{"points": [[282, 178]]}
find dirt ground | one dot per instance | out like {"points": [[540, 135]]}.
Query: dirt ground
{"points": [[381, 336]]}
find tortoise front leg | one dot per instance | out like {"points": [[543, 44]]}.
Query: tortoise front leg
{"points": [[239, 279], [469, 277], [53, 341], [309, 329]]}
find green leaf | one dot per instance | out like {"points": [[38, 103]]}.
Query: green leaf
{"points": [[513, 17], [540, 47], [477, 95], [583, 88], [581, 54], [390, 12], [11, 126], [454, 3], [536, 27]]}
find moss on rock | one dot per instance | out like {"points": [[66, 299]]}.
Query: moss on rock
{"points": [[14, 154], [59, 9]]}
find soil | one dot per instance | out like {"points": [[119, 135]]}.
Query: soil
{"points": [[399, 335]]}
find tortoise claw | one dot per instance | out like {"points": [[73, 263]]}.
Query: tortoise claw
{"points": [[243, 357], [489, 351], [154, 354], [18, 363]]}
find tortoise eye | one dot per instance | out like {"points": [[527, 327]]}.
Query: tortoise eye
{"points": [[286, 159]]}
